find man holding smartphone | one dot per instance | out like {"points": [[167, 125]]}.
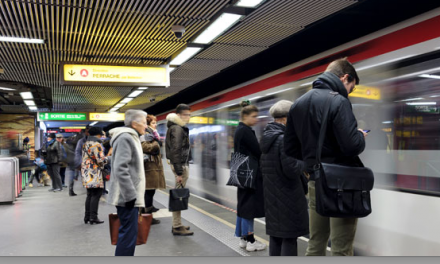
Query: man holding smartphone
{"points": [[342, 145]]}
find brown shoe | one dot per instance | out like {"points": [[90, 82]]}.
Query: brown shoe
{"points": [[181, 231]]}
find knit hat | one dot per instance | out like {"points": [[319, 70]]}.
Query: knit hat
{"points": [[51, 135]]}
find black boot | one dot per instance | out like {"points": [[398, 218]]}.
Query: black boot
{"points": [[71, 193], [95, 221]]}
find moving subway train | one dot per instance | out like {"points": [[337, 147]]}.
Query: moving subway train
{"points": [[398, 99]]}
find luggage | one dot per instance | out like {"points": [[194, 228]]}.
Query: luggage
{"points": [[178, 199], [8, 180], [144, 224]]}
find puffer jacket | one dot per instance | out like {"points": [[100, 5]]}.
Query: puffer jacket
{"points": [[54, 153], [177, 146], [284, 196], [93, 161], [343, 142]]}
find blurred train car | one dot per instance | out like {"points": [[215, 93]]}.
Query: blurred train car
{"points": [[398, 99]]}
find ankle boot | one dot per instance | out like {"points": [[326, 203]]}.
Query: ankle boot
{"points": [[71, 193]]}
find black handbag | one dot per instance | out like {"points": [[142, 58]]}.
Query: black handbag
{"points": [[178, 199], [341, 191], [243, 172]]}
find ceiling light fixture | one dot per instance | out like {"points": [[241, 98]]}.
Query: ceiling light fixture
{"points": [[422, 103], [33, 108], [135, 94], [249, 3], [220, 25], [119, 105], [27, 95], [172, 69], [7, 89], [21, 40], [142, 88], [185, 55], [430, 76], [29, 102], [126, 100], [94, 123]]}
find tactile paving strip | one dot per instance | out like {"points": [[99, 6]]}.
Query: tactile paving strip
{"points": [[218, 230]]}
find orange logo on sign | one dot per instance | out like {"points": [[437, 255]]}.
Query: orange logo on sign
{"points": [[84, 73]]}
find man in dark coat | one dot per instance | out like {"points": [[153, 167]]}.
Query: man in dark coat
{"points": [[284, 187], [178, 154], [342, 145], [53, 161]]}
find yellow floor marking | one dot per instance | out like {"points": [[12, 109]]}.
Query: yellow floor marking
{"points": [[219, 219]]}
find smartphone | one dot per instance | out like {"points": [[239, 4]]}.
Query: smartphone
{"points": [[367, 131]]}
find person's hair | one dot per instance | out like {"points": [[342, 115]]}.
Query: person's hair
{"points": [[247, 108], [134, 115], [151, 118], [341, 67], [182, 107], [280, 109], [95, 131]]}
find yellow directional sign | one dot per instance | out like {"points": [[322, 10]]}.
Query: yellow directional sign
{"points": [[83, 74], [366, 92], [107, 117]]}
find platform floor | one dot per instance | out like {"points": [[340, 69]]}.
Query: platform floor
{"points": [[43, 223]]}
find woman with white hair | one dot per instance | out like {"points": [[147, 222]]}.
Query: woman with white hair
{"points": [[127, 181], [285, 187]]}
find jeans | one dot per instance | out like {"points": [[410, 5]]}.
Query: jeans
{"points": [[127, 231], [243, 227], [148, 197], [71, 175], [340, 230], [283, 246], [54, 173], [92, 203]]}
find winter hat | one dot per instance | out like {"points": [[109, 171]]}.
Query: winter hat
{"points": [[51, 135]]}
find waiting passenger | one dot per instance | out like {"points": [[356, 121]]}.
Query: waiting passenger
{"points": [[127, 180], [53, 161], [284, 187], [93, 161], [63, 167], [342, 145], [154, 175], [71, 171], [178, 153], [250, 201]]}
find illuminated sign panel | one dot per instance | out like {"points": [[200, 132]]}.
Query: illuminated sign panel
{"points": [[78, 127], [88, 74], [107, 116], [62, 116], [366, 92]]}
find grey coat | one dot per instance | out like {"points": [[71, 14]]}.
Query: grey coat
{"points": [[127, 179]]}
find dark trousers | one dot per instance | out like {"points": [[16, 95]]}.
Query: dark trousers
{"points": [[38, 170], [63, 175], [283, 246], [92, 203], [127, 231], [148, 197], [54, 173]]}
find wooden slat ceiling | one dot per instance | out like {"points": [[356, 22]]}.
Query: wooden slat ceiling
{"points": [[135, 32]]}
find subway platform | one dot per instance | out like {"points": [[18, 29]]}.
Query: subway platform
{"points": [[43, 223]]}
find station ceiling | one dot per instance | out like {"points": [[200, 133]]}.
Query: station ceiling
{"points": [[132, 32]]}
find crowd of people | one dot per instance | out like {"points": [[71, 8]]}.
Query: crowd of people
{"points": [[285, 176]]}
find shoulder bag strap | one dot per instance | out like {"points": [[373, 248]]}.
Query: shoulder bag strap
{"points": [[323, 129]]}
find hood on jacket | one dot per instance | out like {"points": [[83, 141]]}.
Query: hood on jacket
{"points": [[174, 118], [270, 134], [116, 132], [333, 81]]}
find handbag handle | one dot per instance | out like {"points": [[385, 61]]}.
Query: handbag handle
{"points": [[326, 110]]}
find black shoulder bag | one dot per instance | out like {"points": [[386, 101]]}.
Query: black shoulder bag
{"points": [[341, 191], [178, 199]]}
